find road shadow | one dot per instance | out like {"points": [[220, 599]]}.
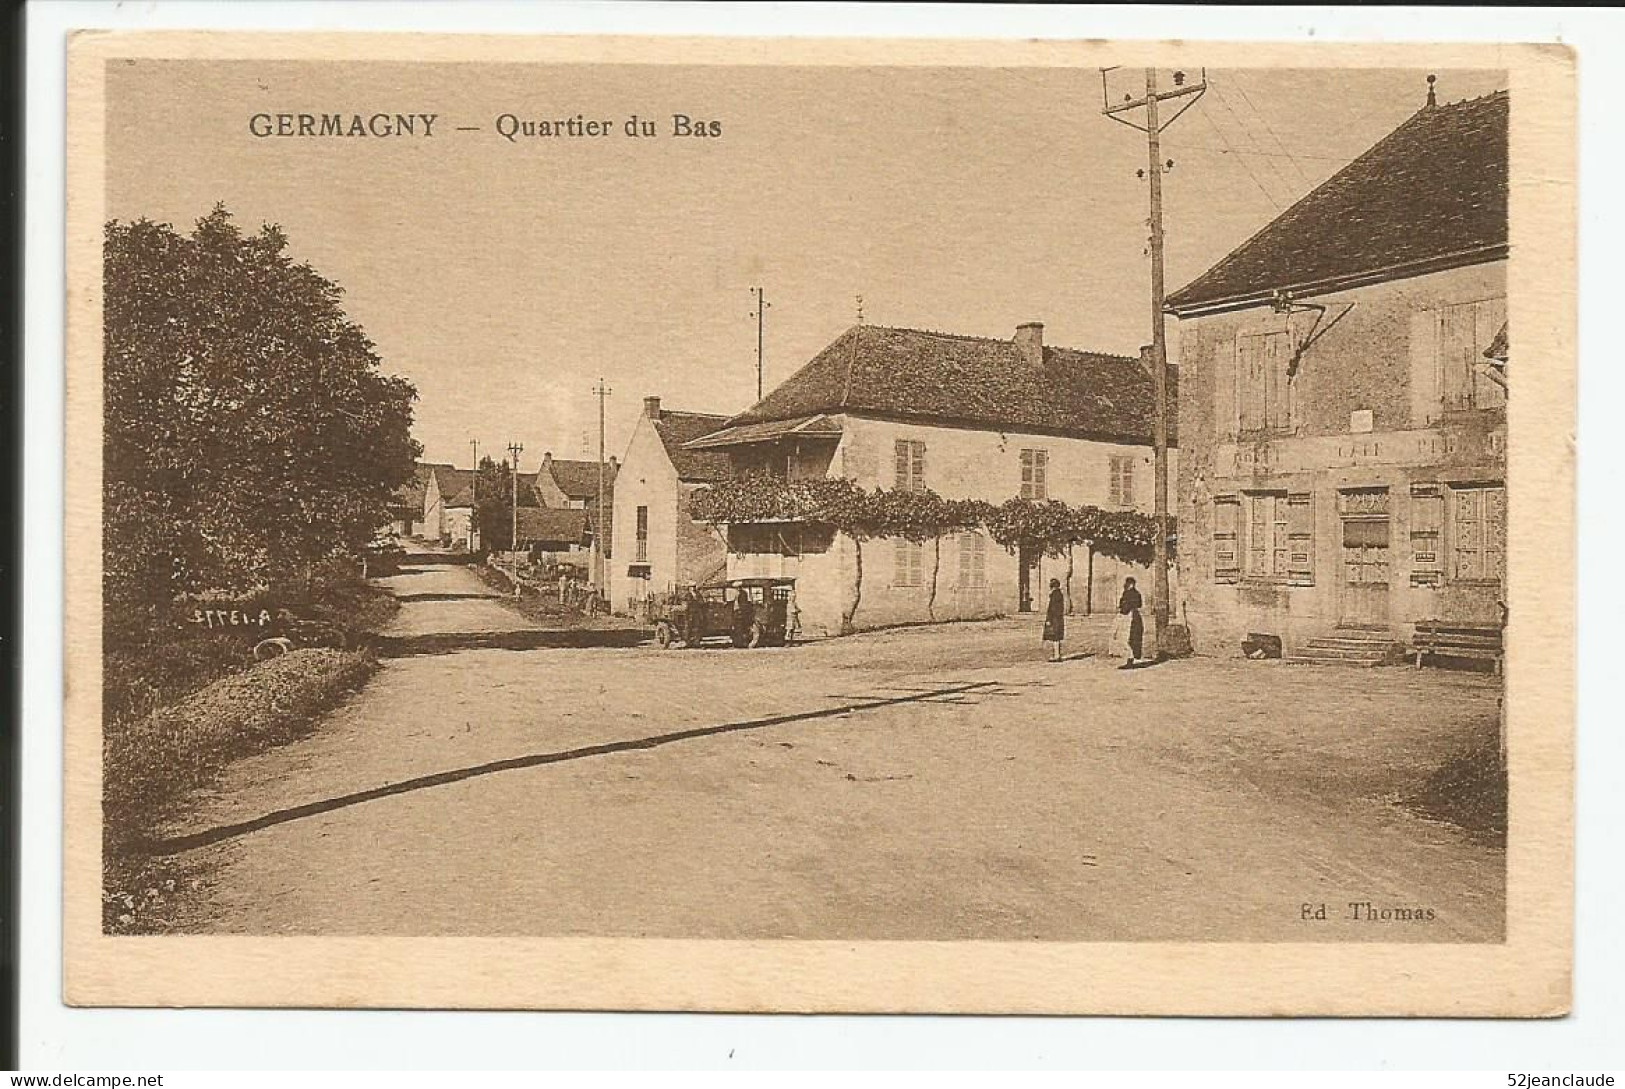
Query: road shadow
{"points": [[194, 840], [437, 559], [447, 596], [412, 646]]}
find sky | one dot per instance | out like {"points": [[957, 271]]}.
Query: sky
{"points": [[504, 278]]}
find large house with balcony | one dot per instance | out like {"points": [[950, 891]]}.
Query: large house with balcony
{"points": [[967, 417], [658, 547], [1342, 413]]}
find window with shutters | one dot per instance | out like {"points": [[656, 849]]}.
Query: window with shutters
{"points": [[1478, 533], [642, 550], [1427, 534], [1226, 538], [910, 466], [1263, 387], [1120, 489], [1461, 334], [1035, 474], [909, 563], [1278, 533], [972, 561]]}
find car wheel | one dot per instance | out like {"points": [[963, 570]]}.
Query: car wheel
{"points": [[664, 636], [266, 649]]}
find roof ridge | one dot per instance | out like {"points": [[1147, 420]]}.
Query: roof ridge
{"points": [[689, 412]]}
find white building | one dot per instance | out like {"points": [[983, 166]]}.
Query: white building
{"points": [[968, 418], [657, 547]]}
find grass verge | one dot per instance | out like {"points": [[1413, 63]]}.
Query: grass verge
{"points": [[149, 762]]}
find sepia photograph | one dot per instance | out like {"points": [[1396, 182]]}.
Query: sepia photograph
{"points": [[541, 510]]}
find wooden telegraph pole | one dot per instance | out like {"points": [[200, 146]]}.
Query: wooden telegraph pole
{"points": [[1153, 127], [474, 497], [514, 450], [760, 314], [602, 392]]}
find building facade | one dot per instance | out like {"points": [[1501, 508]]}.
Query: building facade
{"points": [[967, 418], [658, 547], [1342, 419]]}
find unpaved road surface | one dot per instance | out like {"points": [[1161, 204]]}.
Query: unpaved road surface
{"points": [[926, 783]]}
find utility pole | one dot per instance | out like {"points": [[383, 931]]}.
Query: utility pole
{"points": [[474, 497], [1159, 345], [760, 314], [515, 449], [602, 392]]}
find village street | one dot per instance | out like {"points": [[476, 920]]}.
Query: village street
{"points": [[940, 782]]}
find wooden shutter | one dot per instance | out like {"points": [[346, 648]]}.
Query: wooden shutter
{"points": [[1495, 532], [1426, 396], [1301, 538], [1226, 526], [1427, 529], [1252, 383], [1224, 388]]}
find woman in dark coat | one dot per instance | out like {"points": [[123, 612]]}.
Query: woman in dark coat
{"points": [[1055, 619], [1129, 605]]}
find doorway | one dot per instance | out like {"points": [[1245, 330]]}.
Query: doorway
{"points": [[1365, 545]]}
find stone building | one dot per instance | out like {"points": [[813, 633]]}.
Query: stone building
{"points": [[658, 547], [967, 417], [1342, 430]]}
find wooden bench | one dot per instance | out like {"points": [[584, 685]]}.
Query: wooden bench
{"points": [[1456, 639]]}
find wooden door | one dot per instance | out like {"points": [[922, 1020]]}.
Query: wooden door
{"points": [[1363, 600]]}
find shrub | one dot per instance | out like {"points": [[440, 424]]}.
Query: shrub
{"points": [[148, 762], [1469, 789]]}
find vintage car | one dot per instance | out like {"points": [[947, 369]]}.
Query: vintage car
{"points": [[748, 612]]}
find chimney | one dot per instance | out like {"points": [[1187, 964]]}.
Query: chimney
{"points": [[651, 407], [1146, 358], [547, 460], [613, 464], [1030, 340]]}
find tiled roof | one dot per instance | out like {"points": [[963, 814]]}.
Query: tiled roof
{"points": [[696, 466], [818, 425], [409, 496], [552, 525], [452, 482], [966, 381], [579, 479], [1431, 194]]}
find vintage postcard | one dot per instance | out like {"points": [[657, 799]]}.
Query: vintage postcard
{"points": [[819, 525]]}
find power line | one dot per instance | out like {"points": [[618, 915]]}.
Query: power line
{"points": [[1273, 135], [1252, 139], [1245, 165]]}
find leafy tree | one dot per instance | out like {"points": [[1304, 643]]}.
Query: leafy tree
{"points": [[493, 516], [248, 431]]}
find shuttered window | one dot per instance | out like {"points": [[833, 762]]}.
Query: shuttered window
{"points": [[909, 559], [1263, 387], [1478, 533], [1120, 487], [1035, 474], [972, 561], [643, 536], [910, 456], [1460, 335], [1279, 532]]}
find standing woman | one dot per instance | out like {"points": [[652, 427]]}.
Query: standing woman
{"points": [[1055, 619], [1129, 605]]}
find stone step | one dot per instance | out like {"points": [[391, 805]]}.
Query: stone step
{"points": [[1342, 641], [1333, 654], [1358, 663]]}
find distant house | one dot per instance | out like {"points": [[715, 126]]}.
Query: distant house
{"points": [[967, 417], [406, 510], [555, 534], [447, 505], [1342, 416], [565, 484], [657, 546]]}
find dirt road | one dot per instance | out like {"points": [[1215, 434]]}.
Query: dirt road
{"points": [[928, 783]]}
